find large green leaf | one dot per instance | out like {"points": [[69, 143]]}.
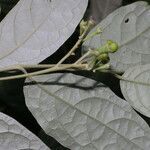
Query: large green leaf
{"points": [[35, 29], [13, 136], [129, 26], [83, 114], [138, 94]]}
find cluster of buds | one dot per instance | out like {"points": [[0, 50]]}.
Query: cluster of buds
{"points": [[100, 56], [84, 25]]}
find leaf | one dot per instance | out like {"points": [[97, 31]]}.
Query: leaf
{"points": [[13, 136], [138, 95], [129, 26], [99, 9], [35, 29], [83, 114]]}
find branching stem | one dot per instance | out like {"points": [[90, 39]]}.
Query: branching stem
{"points": [[80, 64], [41, 66], [53, 69], [79, 42]]}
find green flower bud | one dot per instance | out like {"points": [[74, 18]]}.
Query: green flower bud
{"points": [[112, 46], [109, 47], [83, 26], [103, 58]]}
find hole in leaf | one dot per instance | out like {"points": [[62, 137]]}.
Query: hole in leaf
{"points": [[127, 20]]}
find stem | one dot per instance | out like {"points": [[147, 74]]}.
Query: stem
{"points": [[83, 57], [42, 66], [78, 43], [53, 69], [88, 37]]}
